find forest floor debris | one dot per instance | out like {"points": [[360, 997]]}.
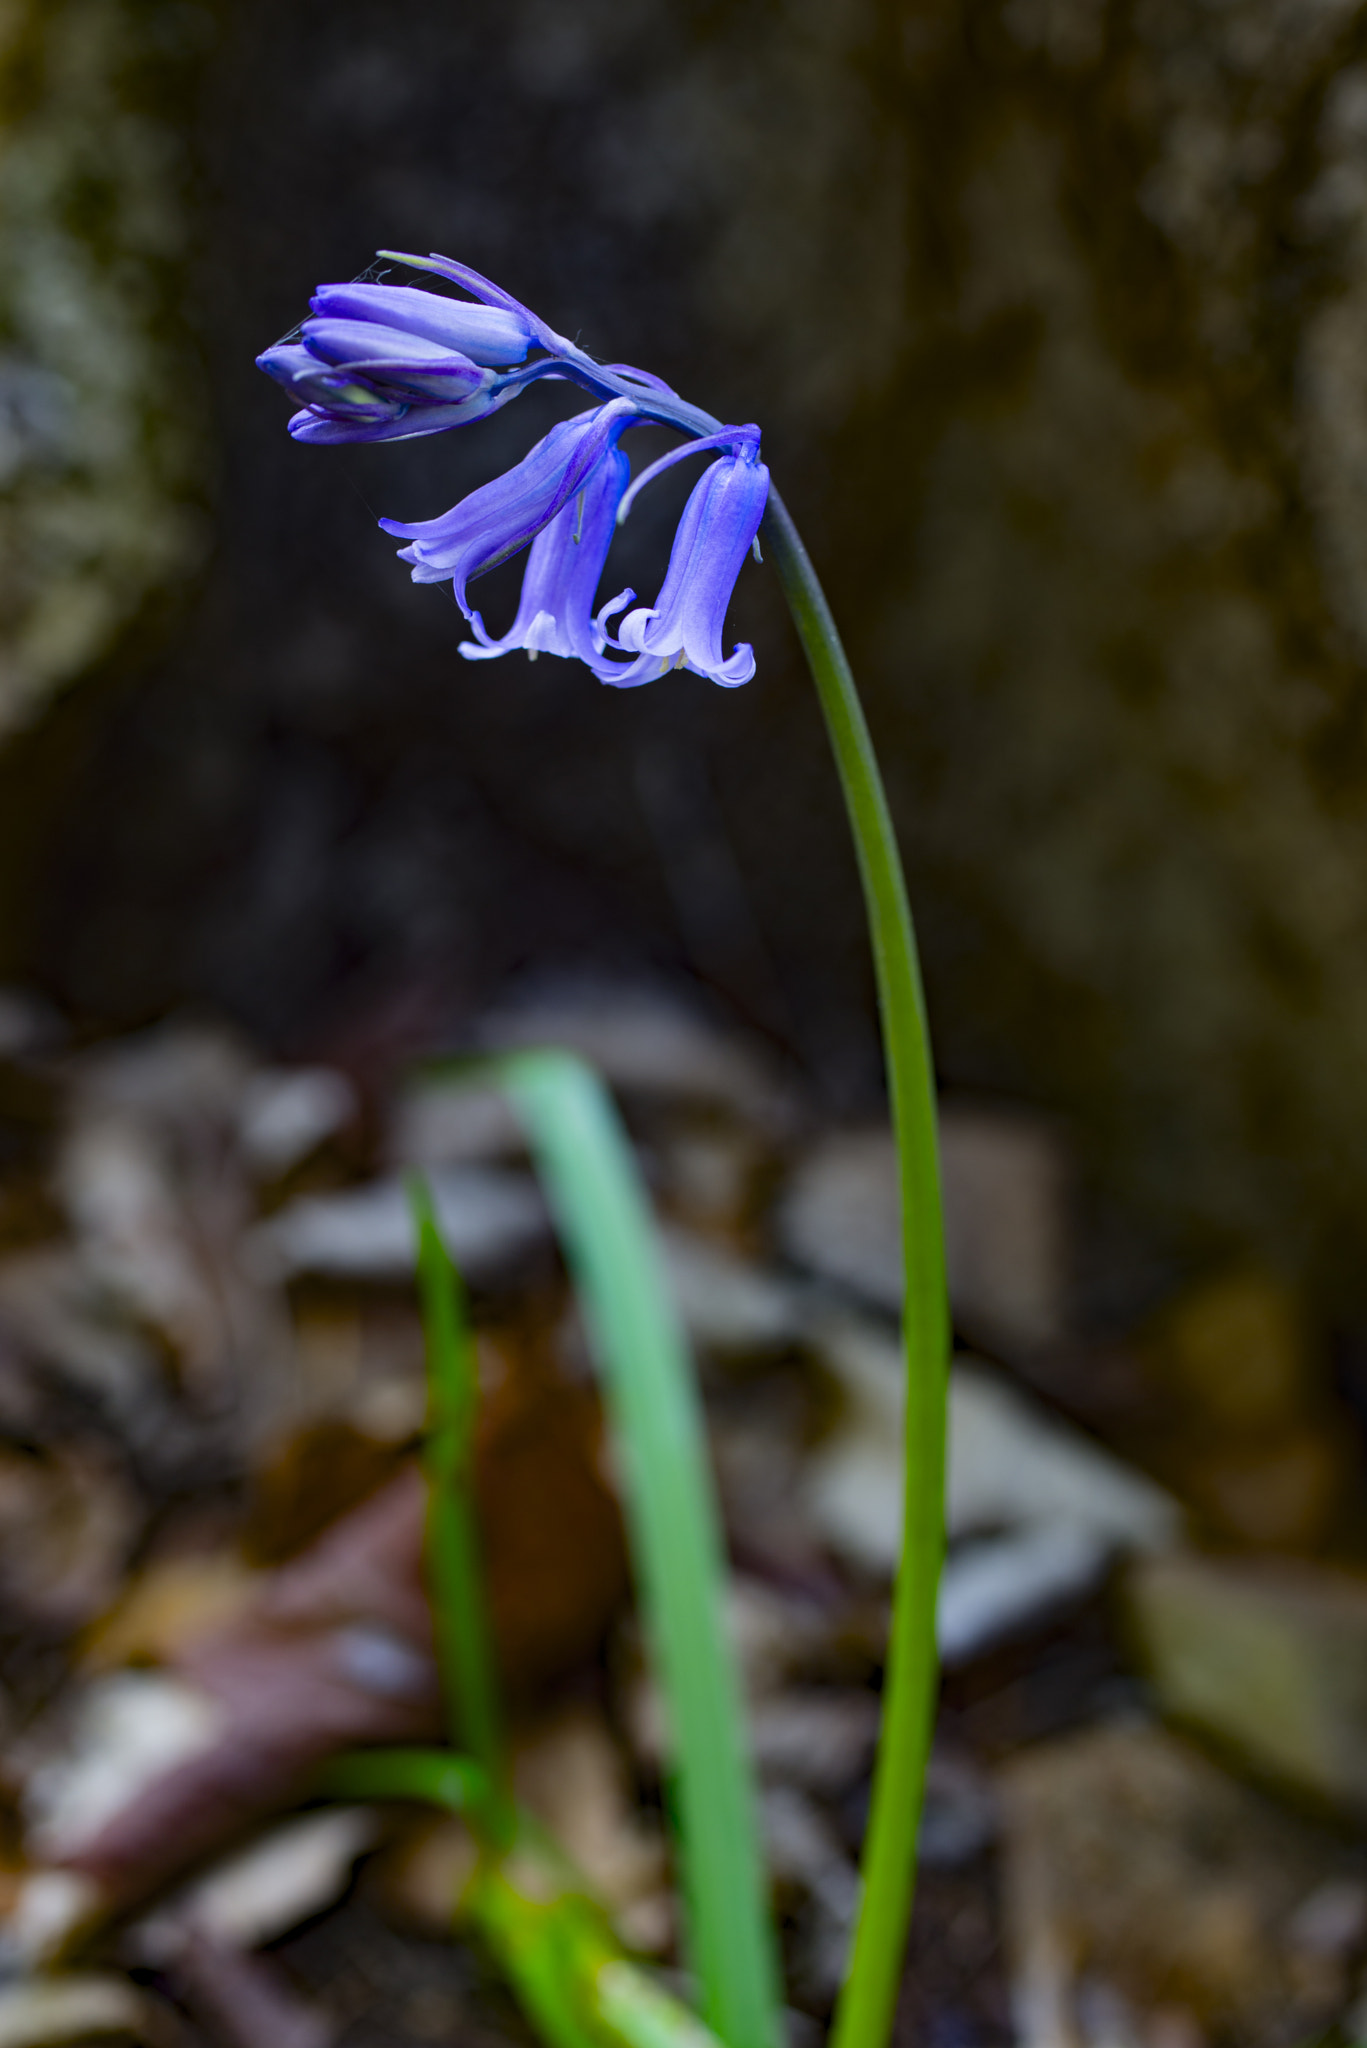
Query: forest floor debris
{"points": [[1149, 1894], [211, 1398]]}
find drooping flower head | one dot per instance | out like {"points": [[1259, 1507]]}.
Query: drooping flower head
{"points": [[381, 362], [499, 519], [683, 628], [555, 613]]}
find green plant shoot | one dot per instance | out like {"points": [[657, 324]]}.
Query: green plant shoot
{"points": [[465, 1655]]}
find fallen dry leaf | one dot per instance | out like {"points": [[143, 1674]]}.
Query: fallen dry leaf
{"points": [[334, 1649]]}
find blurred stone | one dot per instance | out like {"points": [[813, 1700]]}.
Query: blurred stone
{"points": [[1006, 1237], [819, 1738], [492, 1220], [1010, 1461], [729, 1307], [1003, 1177], [77, 2008], [1269, 1658], [839, 1215], [995, 1588], [286, 1113], [778, 1635], [960, 1817], [782, 1644], [1010, 1465], [647, 1046], [706, 1174], [806, 1854], [130, 1727], [448, 1122], [759, 1430], [254, 1897], [1131, 1862]]}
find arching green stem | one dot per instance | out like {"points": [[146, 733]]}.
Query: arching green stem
{"points": [[868, 1999]]}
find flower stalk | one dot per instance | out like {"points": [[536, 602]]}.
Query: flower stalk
{"points": [[868, 1998]]}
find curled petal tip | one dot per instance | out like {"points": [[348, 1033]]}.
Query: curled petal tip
{"points": [[684, 625]]}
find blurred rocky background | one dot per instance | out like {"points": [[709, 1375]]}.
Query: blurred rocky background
{"points": [[1053, 312]]}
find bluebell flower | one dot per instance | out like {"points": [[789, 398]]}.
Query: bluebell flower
{"points": [[497, 521], [385, 362], [381, 398], [555, 613], [327, 390], [492, 297], [380, 362], [403, 366], [494, 336], [683, 628]]}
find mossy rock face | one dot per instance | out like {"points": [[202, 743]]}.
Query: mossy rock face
{"points": [[100, 457], [1054, 313], [1134, 626], [1135, 620], [1089, 292], [1061, 306]]}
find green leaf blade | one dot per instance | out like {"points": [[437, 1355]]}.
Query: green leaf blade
{"points": [[604, 1216], [465, 1654]]}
